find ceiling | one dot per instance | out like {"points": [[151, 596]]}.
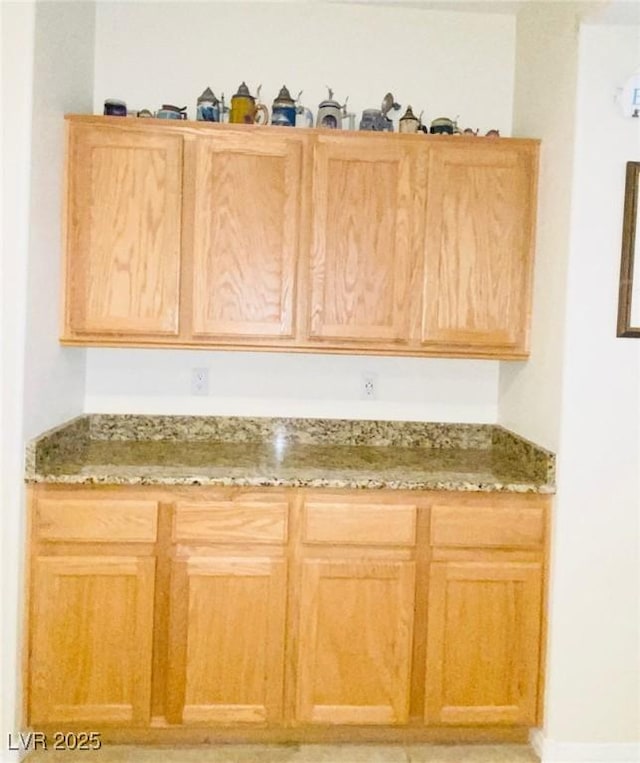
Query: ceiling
{"points": [[591, 11]]}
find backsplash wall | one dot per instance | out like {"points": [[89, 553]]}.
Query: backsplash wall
{"points": [[286, 384]]}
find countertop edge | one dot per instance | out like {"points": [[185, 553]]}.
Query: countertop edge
{"points": [[449, 486]]}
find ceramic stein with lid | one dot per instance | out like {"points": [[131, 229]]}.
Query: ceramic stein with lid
{"points": [[208, 107], [245, 110], [168, 111], [409, 122], [285, 110], [331, 113]]}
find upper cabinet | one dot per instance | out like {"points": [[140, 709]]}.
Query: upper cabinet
{"points": [[243, 212], [198, 235], [361, 239], [478, 246], [123, 233]]}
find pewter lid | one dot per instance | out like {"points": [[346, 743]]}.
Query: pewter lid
{"points": [[243, 92], [208, 96], [408, 114], [284, 95], [330, 101]]}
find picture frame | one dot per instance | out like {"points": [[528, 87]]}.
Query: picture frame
{"points": [[629, 292]]}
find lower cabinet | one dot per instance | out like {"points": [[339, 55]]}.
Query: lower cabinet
{"points": [[355, 640], [286, 610], [91, 639], [226, 655], [483, 642]]}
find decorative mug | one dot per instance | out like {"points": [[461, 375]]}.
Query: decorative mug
{"points": [[331, 114], [208, 107], [284, 110], [409, 122], [115, 108], [171, 112], [244, 109], [375, 121]]}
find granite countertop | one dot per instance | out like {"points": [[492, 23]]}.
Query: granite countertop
{"points": [[252, 452]]}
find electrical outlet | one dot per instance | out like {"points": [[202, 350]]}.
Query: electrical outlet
{"points": [[199, 381], [369, 386]]}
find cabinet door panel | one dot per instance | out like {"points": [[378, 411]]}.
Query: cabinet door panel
{"points": [[483, 643], [479, 247], [361, 241], [246, 229], [92, 639], [124, 227], [354, 656], [227, 640]]}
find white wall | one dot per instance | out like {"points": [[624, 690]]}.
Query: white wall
{"points": [[445, 63], [544, 106], [47, 57], [593, 683], [63, 83], [276, 384], [18, 23], [579, 394]]}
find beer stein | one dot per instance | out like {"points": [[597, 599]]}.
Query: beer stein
{"points": [[409, 122], [244, 109], [208, 107], [285, 110], [331, 114]]}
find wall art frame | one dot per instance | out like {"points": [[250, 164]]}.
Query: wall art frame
{"points": [[629, 291]]}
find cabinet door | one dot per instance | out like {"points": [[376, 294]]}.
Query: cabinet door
{"points": [[246, 226], [483, 643], [361, 252], [226, 657], [354, 655], [479, 247], [124, 224], [91, 641]]}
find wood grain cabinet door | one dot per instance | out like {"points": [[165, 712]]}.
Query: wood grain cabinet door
{"points": [[478, 260], [354, 651], [123, 232], [226, 657], [361, 242], [245, 234], [483, 643], [91, 640]]}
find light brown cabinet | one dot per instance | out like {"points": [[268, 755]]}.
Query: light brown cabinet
{"points": [[227, 639], [123, 234], [484, 613], [355, 621], [479, 230], [92, 612], [363, 211], [225, 661], [243, 207], [484, 642], [285, 611], [235, 236]]}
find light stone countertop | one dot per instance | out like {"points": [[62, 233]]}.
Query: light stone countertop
{"points": [[253, 452]]}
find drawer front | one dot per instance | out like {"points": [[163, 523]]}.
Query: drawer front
{"points": [[96, 520], [360, 524], [230, 522], [467, 526]]}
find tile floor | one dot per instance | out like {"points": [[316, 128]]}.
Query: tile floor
{"points": [[417, 753]]}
